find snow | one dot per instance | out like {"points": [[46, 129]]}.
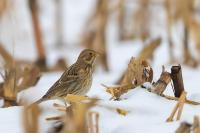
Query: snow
{"points": [[11, 120], [147, 112]]}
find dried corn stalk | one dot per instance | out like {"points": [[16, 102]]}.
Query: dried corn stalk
{"points": [[75, 119], [9, 89], [138, 71], [160, 86], [31, 119], [30, 77], [184, 128], [169, 12], [93, 122], [196, 125], [95, 34], [178, 107], [41, 62], [121, 20], [195, 32], [78, 118], [182, 10], [16, 80], [147, 51], [17, 77], [176, 74], [59, 23], [177, 99], [188, 59], [141, 19], [4, 5], [9, 61]]}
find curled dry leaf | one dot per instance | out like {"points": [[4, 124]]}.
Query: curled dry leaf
{"points": [[117, 91], [138, 71]]}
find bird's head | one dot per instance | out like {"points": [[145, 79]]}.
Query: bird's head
{"points": [[88, 56]]}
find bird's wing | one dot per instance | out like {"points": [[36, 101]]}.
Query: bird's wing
{"points": [[68, 77], [73, 73]]}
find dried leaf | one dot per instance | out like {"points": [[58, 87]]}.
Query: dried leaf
{"points": [[122, 111], [117, 91]]}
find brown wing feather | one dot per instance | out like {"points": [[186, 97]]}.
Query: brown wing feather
{"points": [[67, 78]]}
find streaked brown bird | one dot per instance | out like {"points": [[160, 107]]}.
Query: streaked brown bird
{"points": [[77, 79]]}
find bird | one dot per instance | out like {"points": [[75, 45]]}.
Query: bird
{"points": [[76, 80]]}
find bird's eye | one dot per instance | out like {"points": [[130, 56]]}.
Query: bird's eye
{"points": [[90, 54]]}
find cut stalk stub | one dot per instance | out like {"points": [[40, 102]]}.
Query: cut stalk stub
{"points": [[176, 75]]}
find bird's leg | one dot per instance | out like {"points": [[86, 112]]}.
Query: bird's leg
{"points": [[64, 101]]}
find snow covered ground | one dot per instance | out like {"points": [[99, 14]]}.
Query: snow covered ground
{"points": [[147, 112]]}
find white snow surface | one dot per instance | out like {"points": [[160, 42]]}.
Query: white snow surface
{"points": [[147, 112]]}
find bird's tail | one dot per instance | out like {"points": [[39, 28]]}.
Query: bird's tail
{"points": [[38, 101]]}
